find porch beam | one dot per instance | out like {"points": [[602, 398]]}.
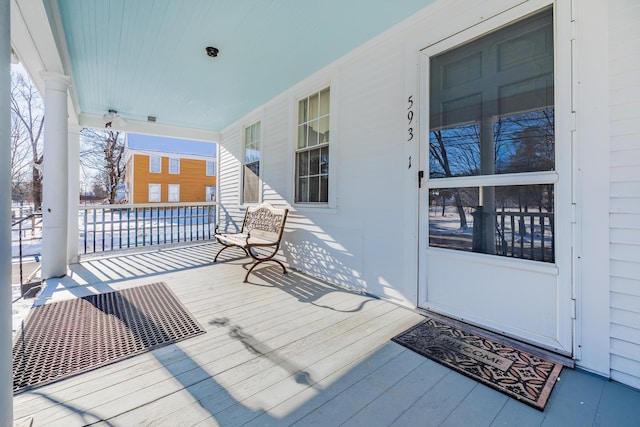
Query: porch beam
{"points": [[55, 194], [6, 370]]}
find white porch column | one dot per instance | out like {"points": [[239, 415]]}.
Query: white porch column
{"points": [[74, 194], [55, 195], [6, 370]]}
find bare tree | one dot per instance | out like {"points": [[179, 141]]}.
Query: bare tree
{"points": [[102, 155], [19, 160], [438, 151], [27, 111]]}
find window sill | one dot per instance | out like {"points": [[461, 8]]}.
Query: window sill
{"points": [[317, 209]]}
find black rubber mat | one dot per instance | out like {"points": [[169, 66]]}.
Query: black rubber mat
{"points": [[65, 338]]}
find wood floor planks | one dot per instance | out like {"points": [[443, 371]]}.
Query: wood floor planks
{"points": [[285, 350]]}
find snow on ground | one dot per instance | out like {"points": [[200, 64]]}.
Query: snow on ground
{"points": [[19, 308]]}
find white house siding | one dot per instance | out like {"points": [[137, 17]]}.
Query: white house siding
{"points": [[624, 92], [229, 216], [367, 239]]}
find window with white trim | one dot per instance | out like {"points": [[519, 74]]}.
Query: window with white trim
{"points": [[211, 168], [174, 165], [251, 167], [210, 193], [174, 192], [155, 164], [154, 192], [312, 149], [491, 125]]}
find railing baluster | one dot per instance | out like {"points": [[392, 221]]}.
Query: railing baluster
{"points": [[111, 230], [190, 223], [164, 221], [151, 226], [94, 229], [86, 229], [533, 235], [513, 234], [542, 226], [171, 210], [120, 228], [20, 248], [136, 229], [158, 225], [128, 227]]}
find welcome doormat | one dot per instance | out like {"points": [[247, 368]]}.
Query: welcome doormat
{"points": [[65, 338], [516, 373]]}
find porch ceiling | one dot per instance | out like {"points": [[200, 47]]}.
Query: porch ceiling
{"points": [[147, 58]]}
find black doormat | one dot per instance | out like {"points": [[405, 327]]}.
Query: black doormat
{"points": [[517, 373], [65, 338]]}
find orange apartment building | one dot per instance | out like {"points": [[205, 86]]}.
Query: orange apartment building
{"points": [[163, 177]]}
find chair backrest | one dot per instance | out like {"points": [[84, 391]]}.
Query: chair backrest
{"points": [[265, 222]]}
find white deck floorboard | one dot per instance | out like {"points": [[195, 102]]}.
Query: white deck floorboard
{"points": [[279, 350]]}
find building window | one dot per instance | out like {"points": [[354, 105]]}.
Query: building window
{"points": [[174, 166], [491, 122], [174, 192], [210, 193], [312, 153], [211, 168], [154, 192], [155, 164], [251, 168]]}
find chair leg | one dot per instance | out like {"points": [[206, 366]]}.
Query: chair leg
{"points": [[229, 246], [246, 277]]}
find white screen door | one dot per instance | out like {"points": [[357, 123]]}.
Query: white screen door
{"points": [[490, 206]]}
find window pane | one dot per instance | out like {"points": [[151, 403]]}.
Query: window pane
{"points": [[324, 189], [155, 164], [210, 193], [314, 162], [454, 151], [314, 106], [154, 192], [303, 163], [314, 189], [312, 136], [492, 103], [251, 182], [303, 107], [302, 136], [251, 169], [174, 165], [302, 192], [323, 130], [525, 142], [324, 102], [513, 221], [174, 192], [211, 168], [324, 161]]}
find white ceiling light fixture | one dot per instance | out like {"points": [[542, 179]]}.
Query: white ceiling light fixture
{"points": [[112, 118]]}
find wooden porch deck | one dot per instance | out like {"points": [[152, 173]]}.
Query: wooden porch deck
{"points": [[286, 350]]}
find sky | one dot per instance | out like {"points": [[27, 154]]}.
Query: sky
{"points": [[171, 145]]}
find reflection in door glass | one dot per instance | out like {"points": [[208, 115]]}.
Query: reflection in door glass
{"points": [[522, 142], [513, 221]]}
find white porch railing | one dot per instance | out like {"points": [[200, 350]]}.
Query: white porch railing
{"points": [[113, 227]]}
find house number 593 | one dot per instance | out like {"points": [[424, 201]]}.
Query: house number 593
{"points": [[410, 118]]}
